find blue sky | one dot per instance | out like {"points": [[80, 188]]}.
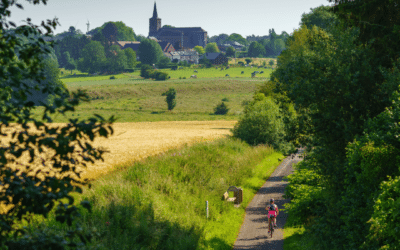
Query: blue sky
{"points": [[245, 17]]}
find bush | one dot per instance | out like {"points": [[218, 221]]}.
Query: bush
{"points": [[225, 99], [221, 109], [146, 71], [112, 77], [262, 123], [160, 76], [170, 98]]}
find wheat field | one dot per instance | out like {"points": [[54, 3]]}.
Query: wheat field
{"points": [[133, 141]]}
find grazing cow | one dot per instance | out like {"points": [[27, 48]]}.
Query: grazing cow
{"points": [[253, 74], [242, 72], [222, 68], [261, 72], [193, 76], [226, 75], [195, 71], [260, 66], [227, 67]]}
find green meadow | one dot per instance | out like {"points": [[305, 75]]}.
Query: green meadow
{"points": [[160, 202], [133, 99]]}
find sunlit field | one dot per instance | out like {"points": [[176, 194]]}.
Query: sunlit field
{"points": [[135, 100]]}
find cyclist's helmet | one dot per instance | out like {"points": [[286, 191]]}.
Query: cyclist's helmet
{"points": [[271, 200]]}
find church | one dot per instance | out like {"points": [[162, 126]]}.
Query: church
{"points": [[180, 38]]}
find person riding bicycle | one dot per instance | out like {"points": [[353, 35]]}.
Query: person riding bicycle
{"points": [[273, 211]]}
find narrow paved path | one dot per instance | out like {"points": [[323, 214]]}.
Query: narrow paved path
{"points": [[253, 233]]}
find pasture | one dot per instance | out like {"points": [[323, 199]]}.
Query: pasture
{"points": [[132, 99], [233, 72]]}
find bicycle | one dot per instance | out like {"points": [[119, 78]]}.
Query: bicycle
{"points": [[271, 225]]}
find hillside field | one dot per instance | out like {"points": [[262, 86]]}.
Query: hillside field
{"points": [[132, 99]]}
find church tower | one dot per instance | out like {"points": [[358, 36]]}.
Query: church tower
{"points": [[155, 22]]}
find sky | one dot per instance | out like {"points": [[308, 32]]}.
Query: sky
{"points": [[245, 17]]}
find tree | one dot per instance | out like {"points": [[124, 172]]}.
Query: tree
{"points": [[256, 49], [199, 49], [230, 51], [262, 123], [234, 37], [150, 52], [321, 16], [110, 32], [130, 57], [170, 98], [211, 48], [168, 26], [117, 61], [46, 155], [93, 58], [248, 60], [220, 39], [70, 63], [163, 62]]}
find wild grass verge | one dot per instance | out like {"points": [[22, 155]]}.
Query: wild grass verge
{"points": [[159, 203]]}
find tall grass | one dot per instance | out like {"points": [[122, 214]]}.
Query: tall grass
{"points": [[159, 203]]}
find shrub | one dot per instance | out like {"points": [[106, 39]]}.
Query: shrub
{"points": [[225, 99], [262, 123], [184, 77], [221, 109], [160, 76], [112, 77], [271, 63], [146, 71], [170, 98]]}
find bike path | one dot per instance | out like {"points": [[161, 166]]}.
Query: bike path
{"points": [[254, 231]]}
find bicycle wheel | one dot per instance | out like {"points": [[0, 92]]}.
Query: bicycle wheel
{"points": [[271, 229]]}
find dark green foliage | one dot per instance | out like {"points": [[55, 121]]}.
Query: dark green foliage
{"points": [[234, 37], [146, 71], [117, 60], [248, 60], [261, 123], [112, 77], [321, 17], [150, 52], [220, 39], [170, 98], [130, 58], [256, 49], [271, 63], [93, 58], [40, 180], [160, 76], [230, 51], [341, 79], [163, 62], [221, 109]]}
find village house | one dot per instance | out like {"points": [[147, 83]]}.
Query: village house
{"points": [[216, 58]]}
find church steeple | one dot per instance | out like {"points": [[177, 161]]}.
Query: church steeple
{"points": [[154, 22], [155, 11]]}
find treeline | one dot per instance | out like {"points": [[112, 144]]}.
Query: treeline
{"points": [[266, 46], [341, 73], [100, 53]]}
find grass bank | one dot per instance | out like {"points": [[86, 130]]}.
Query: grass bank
{"points": [[159, 203]]}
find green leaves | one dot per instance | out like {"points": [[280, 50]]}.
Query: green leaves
{"points": [[38, 166]]}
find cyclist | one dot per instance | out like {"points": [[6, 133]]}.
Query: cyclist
{"points": [[273, 210]]}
